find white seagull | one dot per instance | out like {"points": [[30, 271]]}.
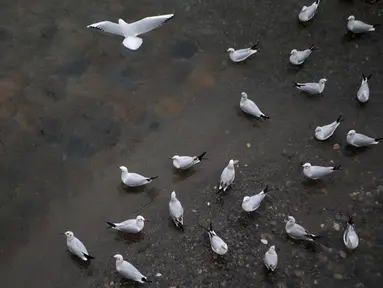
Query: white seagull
{"points": [[131, 30], [298, 57], [134, 179], [252, 203], [297, 232], [242, 54], [364, 91], [217, 244], [356, 26], [350, 238], [312, 88], [360, 140], [185, 162], [324, 132], [248, 106], [307, 13], [132, 226], [176, 211], [271, 259], [227, 176], [128, 271], [317, 172], [76, 247]]}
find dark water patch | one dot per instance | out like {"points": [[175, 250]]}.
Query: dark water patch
{"points": [[78, 147], [184, 49], [51, 130], [49, 31], [5, 34], [181, 71], [74, 68]]}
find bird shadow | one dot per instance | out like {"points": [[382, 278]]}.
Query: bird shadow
{"points": [[351, 151], [128, 238], [129, 283], [294, 69], [254, 120], [80, 263], [310, 183], [348, 36], [246, 218], [123, 188], [181, 175]]}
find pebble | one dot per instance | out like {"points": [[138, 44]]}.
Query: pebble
{"points": [[342, 254], [158, 275], [208, 203], [299, 273], [194, 210], [336, 226], [111, 283], [338, 276], [264, 241], [315, 282], [248, 145], [336, 146], [321, 225]]}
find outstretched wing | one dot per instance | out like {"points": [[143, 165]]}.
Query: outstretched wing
{"points": [[107, 26], [148, 24]]}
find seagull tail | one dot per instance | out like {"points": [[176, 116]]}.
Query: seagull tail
{"points": [[296, 84], [263, 116], [112, 225], [312, 47], [200, 157], [376, 25], [315, 237], [378, 139], [144, 279], [267, 189], [152, 178], [350, 220], [337, 167], [88, 256], [211, 226], [340, 119], [317, 2], [254, 46], [369, 76]]}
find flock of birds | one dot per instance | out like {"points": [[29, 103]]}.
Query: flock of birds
{"points": [[130, 32]]}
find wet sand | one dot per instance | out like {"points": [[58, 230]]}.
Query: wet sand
{"points": [[75, 105]]}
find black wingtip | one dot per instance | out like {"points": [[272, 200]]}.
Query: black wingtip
{"points": [[144, 279], [337, 167], [369, 76], [312, 47], [152, 178], [295, 84], [340, 119], [350, 220], [200, 157], [211, 226], [88, 256], [317, 2], [266, 189], [265, 117], [376, 25], [254, 46], [111, 224], [378, 139]]}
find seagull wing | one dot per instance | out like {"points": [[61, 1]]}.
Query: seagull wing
{"points": [[107, 26], [148, 24]]}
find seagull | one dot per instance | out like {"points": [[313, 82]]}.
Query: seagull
{"points": [[227, 176], [324, 132], [364, 91], [242, 54], [176, 211], [128, 271], [360, 140], [131, 30], [217, 244], [132, 226], [317, 172], [252, 203], [76, 247], [298, 57], [356, 26], [185, 162], [134, 179], [297, 232], [248, 106], [350, 238], [271, 259], [308, 13], [312, 88]]}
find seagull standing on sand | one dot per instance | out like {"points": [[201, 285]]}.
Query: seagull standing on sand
{"points": [[364, 91], [185, 162], [176, 211], [132, 226], [271, 259], [312, 88], [297, 232], [252, 203], [131, 30], [227, 176], [242, 54], [356, 26], [76, 247], [317, 172], [324, 132], [360, 140], [248, 106], [128, 271], [134, 179], [298, 57], [307, 13], [350, 238]]}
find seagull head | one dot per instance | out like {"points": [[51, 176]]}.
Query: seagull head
{"points": [[272, 249], [140, 219], [230, 50], [322, 81], [244, 96], [118, 257], [290, 220], [351, 133], [351, 18], [69, 234], [123, 169], [175, 157], [246, 199], [231, 164], [306, 166], [318, 129], [173, 195], [304, 8], [293, 52]]}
